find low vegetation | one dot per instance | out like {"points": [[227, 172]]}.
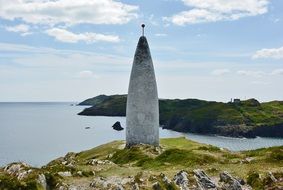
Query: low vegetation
{"points": [[247, 118], [144, 165]]}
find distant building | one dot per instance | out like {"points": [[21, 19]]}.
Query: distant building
{"points": [[236, 101]]}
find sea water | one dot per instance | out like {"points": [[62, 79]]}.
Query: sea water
{"points": [[36, 133]]}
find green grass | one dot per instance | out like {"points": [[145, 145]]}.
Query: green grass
{"points": [[100, 152], [199, 116], [129, 155], [8, 182], [143, 161]]}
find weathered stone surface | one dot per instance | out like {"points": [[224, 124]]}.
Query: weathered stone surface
{"points": [[119, 187], [65, 174], [135, 186], [165, 179], [181, 179], [63, 187], [156, 186], [19, 170], [230, 183], [203, 181], [247, 160], [99, 162], [272, 177], [116, 183], [42, 181], [142, 101], [225, 177]]}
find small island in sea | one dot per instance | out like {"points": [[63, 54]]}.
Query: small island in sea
{"points": [[240, 118]]}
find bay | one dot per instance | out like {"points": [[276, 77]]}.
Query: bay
{"points": [[37, 133]]}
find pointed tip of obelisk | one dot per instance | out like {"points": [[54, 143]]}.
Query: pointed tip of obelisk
{"points": [[142, 113], [142, 38], [142, 44]]}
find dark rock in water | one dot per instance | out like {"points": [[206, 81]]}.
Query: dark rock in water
{"points": [[87, 127], [117, 126]]}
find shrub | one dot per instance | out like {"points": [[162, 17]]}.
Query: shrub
{"points": [[254, 180]]}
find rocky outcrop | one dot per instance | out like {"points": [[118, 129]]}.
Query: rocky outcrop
{"points": [[117, 126], [20, 170], [271, 176], [113, 182], [181, 179], [42, 181], [229, 182], [65, 174], [156, 186], [99, 162], [204, 182], [111, 166], [135, 186]]}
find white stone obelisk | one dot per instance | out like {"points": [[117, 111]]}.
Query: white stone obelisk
{"points": [[142, 122]]}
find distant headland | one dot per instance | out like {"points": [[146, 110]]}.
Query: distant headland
{"points": [[240, 118]]}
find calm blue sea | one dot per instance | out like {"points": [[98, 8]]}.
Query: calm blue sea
{"points": [[36, 133]]}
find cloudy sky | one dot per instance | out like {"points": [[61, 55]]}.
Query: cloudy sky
{"points": [[69, 50]]}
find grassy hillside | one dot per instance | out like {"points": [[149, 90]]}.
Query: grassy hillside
{"points": [[110, 165], [248, 118]]}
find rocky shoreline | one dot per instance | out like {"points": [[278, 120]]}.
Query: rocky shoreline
{"points": [[177, 164], [248, 118]]}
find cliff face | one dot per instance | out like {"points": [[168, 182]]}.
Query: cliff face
{"points": [[247, 118]]}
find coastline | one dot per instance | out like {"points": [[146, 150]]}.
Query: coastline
{"points": [[145, 166]]}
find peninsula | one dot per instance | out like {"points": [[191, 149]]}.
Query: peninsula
{"points": [[247, 118]]}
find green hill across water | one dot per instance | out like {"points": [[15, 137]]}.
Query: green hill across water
{"points": [[248, 118]]}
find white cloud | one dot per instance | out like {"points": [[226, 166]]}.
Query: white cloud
{"points": [[161, 35], [218, 10], [49, 57], [9, 47], [219, 72], [251, 73], [70, 37], [277, 72], [18, 28], [85, 74], [152, 20], [259, 83], [53, 75], [70, 12], [21, 28], [38, 73], [275, 53]]}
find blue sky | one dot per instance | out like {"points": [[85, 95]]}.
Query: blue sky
{"points": [[67, 50]]}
